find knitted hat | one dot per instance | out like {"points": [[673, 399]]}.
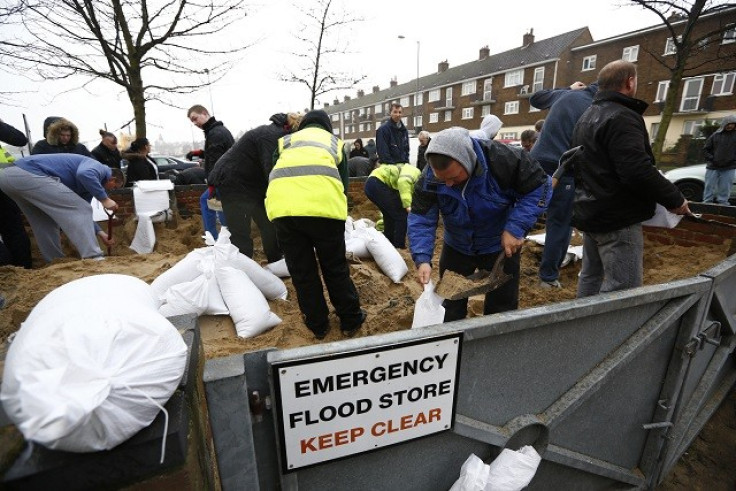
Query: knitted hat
{"points": [[455, 143], [317, 117]]}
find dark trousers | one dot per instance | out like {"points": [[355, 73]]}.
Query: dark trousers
{"points": [[300, 238], [15, 248], [557, 229], [501, 299], [394, 214], [239, 211]]}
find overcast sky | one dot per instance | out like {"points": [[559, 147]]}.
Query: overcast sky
{"points": [[251, 92]]}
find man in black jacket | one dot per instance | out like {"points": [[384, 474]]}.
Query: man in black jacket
{"points": [[217, 141], [617, 185], [15, 246], [241, 179]]}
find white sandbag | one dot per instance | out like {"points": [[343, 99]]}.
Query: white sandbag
{"points": [[279, 268], [663, 218], [363, 223], [186, 298], [145, 236], [348, 224], [473, 475], [248, 307], [358, 246], [513, 470], [387, 257], [428, 309], [183, 271], [79, 374], [215, 303]]}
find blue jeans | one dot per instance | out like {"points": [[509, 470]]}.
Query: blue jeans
{"points": [[210, 217], [612, 261], [718, 184], [394, 214], [558, 229]]}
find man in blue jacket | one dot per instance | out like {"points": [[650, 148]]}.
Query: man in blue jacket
{"points": [[392, 138], [490, 195], [565, 106]]}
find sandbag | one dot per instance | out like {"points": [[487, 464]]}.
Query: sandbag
{"points": [[183, 271], [428, 309], [473, 475], [279, 268], [385, 254], [248, 307], [357, 246], [513, 470], [79, 374]]}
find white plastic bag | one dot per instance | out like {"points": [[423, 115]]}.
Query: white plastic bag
{"points": [[248, 307], [80, 372], [385, 254], [513, 470], [663, 218], [428, 309], [278, 268], [473, 475]]}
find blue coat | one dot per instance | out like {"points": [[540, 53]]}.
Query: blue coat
{"points": [[507, 191], [392, 143]]}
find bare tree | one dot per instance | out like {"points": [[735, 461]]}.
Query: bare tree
{"points": [[681, 19], [321, 45], [171, 42]]}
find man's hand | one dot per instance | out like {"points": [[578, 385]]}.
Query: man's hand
{"points": [[109, 204], [105, 239], [424, 271], [683, 209], [577, 86], [510, 243], [210, 192]]}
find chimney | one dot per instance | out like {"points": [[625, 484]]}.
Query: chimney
{"points": [[347, 98], [360, 93], [484, 53], [376, 88], [326, 104], [394, 83], [528, 38], [442, 66], [336, 101]]}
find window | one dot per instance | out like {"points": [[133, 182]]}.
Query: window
{"points": [[434, 118], [349, 129], [487, 86], [405, 120], [378, 124], [538, 83], [669, 47], [511, 107], [729, 36], [361, 111], [723, 83], [434, 95], [653, 131], [468, 88], [335, 117], [468, 112], [418, 99], [448, 97], [346, 116], [404, 101], [693, 127], [533, 109], [589, 62], [485, 111], [509, 135], [336, 132], [691, 94], [631, 53], [662, 91], [378, 109], [448, 115], [515, 77], [417, 121]]}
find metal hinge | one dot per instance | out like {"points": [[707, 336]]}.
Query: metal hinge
{"points": [[710, 335], [258, 405]]}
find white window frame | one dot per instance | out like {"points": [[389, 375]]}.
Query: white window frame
{"points": [[405, 120], [468, 113], [378, 124], [417, 121], [434, 117], [630, 53], [508, 135], [361, 111], [723, 83], [729, 35], [378, 109], [691, 101], [511, 107], [533, 109], [662, 88], [404, 101], [669, 46], [485, 111], [346, 116], [538, 80], [349, 128], [693, 127], [434, 95], [418, 99], [448, 115], [513, 78], [448, 97], [335, 117], [589, 63], [469, 88], [488, 89]]}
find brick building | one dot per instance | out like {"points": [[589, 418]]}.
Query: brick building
{"points": [[502, 83]]}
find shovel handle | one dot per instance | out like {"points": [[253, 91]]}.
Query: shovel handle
{"points": [[110, 214]]}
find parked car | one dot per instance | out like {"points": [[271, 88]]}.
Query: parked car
{"points": [[169, 167], [690, 180]]}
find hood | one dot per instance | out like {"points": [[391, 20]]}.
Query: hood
{"points": [[730, 119], [47, 122], [55, 128], [279, 119], [455, 142], [489, 128], [316, 118]]}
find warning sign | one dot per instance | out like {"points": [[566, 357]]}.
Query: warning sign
{"points": [[341, 405]]}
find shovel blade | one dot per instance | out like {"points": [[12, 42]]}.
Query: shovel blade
{"points": [[483, 281]]}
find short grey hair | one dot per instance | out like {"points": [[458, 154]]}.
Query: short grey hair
{"points": [[423, 134]]}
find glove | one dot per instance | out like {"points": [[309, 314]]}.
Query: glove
{"points": [[210, 192]]}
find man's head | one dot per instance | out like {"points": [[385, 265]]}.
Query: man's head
{"points": [[423, 137], [451, 156], [65, 136], [198, 115], [109, 140], [538, 125], [396, 111], [528, 139], [316, 117], [116, 180], [729, 123], [618, 76]]}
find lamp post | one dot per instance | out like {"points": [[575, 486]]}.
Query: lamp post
{"points": [[417, 107], [209, 89]]}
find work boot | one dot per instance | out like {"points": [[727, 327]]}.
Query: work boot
{"points": [[550, 284], [349, 331]]}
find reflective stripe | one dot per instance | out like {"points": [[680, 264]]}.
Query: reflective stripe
{"points": [[308, 143], [304, 170]]}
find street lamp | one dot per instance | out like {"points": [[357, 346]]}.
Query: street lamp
{"points": [[209, 89], [417, 107]]}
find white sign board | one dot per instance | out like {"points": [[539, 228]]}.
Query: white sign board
{"points": [[341, 405]]}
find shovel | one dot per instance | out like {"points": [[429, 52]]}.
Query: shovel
{"points": [[698, 217], [110, 214], [482, 281]]}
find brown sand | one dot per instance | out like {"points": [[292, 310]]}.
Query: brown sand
{"points": [[708, 464]]}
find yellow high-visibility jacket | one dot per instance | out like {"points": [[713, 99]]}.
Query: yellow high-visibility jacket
{"points": [[400, 177]]}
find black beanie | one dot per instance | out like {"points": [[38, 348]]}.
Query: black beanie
{"points": [[318, 117]]}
